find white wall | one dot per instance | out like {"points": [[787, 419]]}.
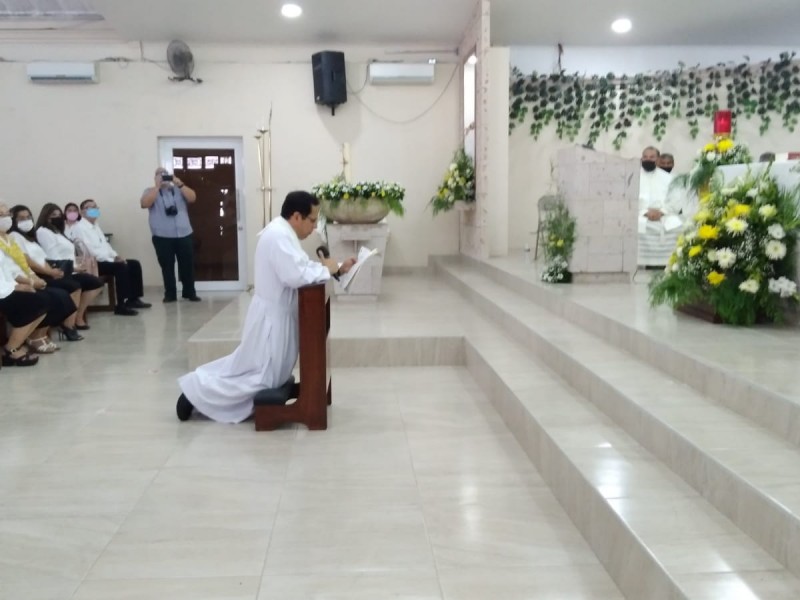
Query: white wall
{"points": [[530, 161], [65, 143]]}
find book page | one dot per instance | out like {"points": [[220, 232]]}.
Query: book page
{"points": [[364, 254]]}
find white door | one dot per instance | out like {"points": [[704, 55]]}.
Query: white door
{"points": [[214, 168]]}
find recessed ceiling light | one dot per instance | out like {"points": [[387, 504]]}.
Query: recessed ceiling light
{"points": [[472, 60], [291, 11], [621, 26], [431, 61]]}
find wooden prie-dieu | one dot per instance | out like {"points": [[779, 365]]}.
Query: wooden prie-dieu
{"points": [[313, 392]]}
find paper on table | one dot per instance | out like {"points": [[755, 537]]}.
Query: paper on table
{"points": [[672, 222], [364, 254]]}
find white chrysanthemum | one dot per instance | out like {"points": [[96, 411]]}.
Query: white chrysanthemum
{"points": [[711, 156], [691, 236], [752, 192], [775, 250], [679, 250], [736, 225], [750, 286], [783, 286], [776, 231], [674, 268], [768, 211], [726, 258], [712, 255], [453, 166], [728, 191]]}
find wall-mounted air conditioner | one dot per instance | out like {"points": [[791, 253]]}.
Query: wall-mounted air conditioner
{"points": [[384, 73], [49, 72]]}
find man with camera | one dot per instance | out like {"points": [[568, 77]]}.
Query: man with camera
{"points": [[167, 203]]}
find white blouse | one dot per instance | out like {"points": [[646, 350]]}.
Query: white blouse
{"points": [[33, 250], [55, 245], [7, 276]]}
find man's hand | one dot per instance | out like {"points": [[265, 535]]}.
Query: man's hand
{"points": [[177, 181], [24, 287], [333, 266], [654, 214], [348, 264]]}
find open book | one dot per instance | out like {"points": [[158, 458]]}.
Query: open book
{"points": [[364, 254]]}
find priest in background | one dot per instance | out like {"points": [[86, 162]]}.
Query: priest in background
{"points": [[223, 390], [659, 214], [666, 162]]}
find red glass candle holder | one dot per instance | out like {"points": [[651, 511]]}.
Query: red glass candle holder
{"points": [[723, 122]]}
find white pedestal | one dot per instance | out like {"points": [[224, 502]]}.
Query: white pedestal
{"points": [[344, 241]]}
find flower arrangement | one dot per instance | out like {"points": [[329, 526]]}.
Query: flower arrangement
{"points": [[737, 254], [458, 184], [559, 234], [339, 190], [712, 155]]}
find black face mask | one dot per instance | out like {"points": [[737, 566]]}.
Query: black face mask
{"points": [[667, 169], [58, 223], [649, 165]]}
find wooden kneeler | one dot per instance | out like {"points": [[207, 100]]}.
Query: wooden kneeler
{"points": [[313, 392]]}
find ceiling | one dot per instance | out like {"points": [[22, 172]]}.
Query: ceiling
{"points": [[439, 23]]}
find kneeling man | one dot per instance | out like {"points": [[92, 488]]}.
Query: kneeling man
{"points": [[223, 390]]}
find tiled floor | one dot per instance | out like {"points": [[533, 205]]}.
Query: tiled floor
{"points": [[417, 490]]}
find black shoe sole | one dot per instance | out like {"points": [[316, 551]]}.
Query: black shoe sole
{"points": [[184, 408]]}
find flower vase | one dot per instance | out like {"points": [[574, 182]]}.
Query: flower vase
{"points": [[355, 211]]}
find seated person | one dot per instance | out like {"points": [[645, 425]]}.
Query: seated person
{"points": [[57, 303], [82, 287], [72, 214], [659, 223], [127, 273], [24, 311]]}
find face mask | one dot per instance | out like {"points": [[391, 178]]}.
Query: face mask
{"points": [[25, 226], [72, 217], [57, 222], [93, 213], [5, 223], [649, 165], [667, 169]]}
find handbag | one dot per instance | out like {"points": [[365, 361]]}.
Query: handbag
{"points": [[65, 266]]}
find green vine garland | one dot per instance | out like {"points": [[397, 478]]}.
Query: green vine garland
{"points": [[607, 102]]}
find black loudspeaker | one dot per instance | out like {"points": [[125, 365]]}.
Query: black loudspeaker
{"points": [[330, 85]]}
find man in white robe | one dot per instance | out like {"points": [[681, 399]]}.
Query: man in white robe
{"points": [[223, 390], [659, 213]]}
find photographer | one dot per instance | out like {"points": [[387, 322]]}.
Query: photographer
{"points": [[168, 204]]}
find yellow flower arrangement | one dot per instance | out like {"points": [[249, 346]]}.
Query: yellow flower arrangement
{"points": [[725, 145], [695, 251], [715, 278]]}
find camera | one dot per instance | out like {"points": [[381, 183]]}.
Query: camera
{"points": [[171, 211], [166, 177]]}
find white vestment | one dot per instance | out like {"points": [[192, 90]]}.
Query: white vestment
{"points": [[657, 239], [223, 390]]}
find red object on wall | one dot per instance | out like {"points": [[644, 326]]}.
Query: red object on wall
{"points": [[723, 122]]}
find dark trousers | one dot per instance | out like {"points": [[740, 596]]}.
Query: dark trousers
{"points": [[127, 279], [167, 251]]}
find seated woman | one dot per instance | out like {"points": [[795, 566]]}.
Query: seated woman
{"points": [[60, 253], [72, 215], [24, 311], [58, 304], [23, 234]]}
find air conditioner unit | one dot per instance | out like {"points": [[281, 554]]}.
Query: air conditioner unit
{"points": [[47, 72], [383, 73]]}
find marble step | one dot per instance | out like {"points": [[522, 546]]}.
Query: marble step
{"points": [[748, 371], [748, 473], [655, 535]]}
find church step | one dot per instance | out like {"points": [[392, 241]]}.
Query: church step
{"points": [[718, 452], [754, 395], [654, 534]]}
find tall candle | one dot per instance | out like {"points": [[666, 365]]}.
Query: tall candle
{"points": [[346, 161]]}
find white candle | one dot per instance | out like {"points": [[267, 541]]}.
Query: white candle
{"points": [[346, 161]]}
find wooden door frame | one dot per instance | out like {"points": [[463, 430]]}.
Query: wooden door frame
{"points": [[165, 146]]}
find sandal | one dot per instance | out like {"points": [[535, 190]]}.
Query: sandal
{"points": [[71, 335], [26, 360], [43, 345]]}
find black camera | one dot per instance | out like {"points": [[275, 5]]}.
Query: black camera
{"points": [[171, 211], [166, 177]]}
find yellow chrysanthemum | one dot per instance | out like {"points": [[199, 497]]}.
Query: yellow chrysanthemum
{"points": [[725, 145], [708, 232], [710, 147], [681, 240], [715, 278], [702, 216], [346, 196], [694, 251], [741, 210], [673, 258], [560, 243]]}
